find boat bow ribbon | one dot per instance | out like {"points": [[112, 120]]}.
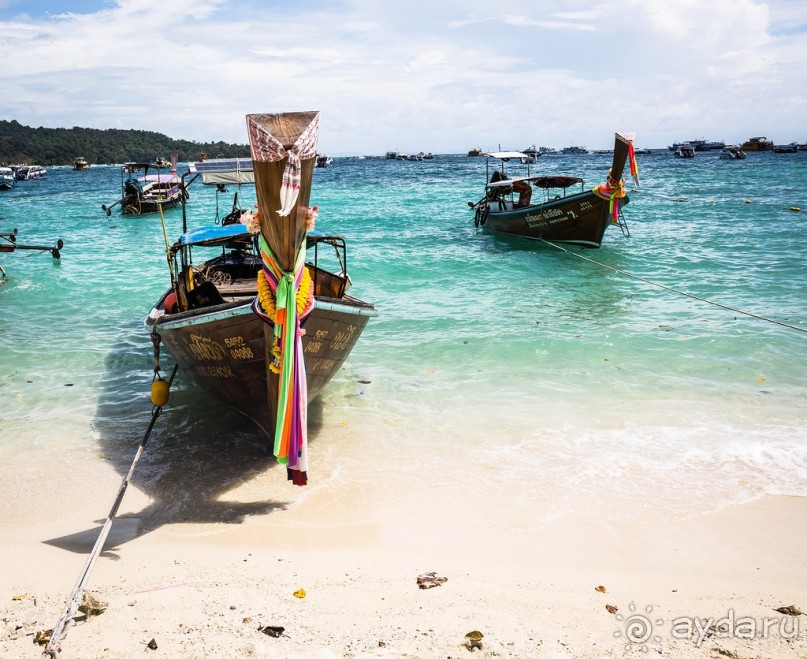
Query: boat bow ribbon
{"points": [[266, 148]]}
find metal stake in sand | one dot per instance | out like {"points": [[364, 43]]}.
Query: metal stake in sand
{"points": [[74, 600]]}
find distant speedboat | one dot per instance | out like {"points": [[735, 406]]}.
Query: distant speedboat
{"points": [[732, 152], [574, 150], [79, 164], [30, 172], [477, 151], [7, 178], [685, 150], [531, 152], [323, 161]]}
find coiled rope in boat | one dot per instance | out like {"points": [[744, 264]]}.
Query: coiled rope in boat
{"points": [[675, 290]]}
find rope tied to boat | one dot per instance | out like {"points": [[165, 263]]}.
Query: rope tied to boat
{"points": [[74, 600], [675, 290], [284, 300]]}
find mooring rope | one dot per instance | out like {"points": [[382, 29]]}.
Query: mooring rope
{"points": [[675, 290], [74, 600]]}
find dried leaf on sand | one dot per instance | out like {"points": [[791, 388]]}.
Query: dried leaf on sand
{"points": [[430, 580], [790, 610], [91, 606]]}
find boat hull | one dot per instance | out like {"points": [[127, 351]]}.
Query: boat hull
{"points": [[143, 206], [579, 219], [223, 349]]}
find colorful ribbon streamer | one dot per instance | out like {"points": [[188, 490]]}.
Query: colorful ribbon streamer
{"points": [[634, 168], [291, 427]]}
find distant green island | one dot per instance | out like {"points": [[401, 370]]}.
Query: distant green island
{"points": [[59, 146]]}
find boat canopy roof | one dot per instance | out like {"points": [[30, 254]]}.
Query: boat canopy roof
{"points": [[506, 155], [213, 236], [134, 166], [159, 178], [232, 234], [221, 171], [544, 182]]}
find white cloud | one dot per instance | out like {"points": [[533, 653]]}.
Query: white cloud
{"points": [[524, 21], [430, 76]]}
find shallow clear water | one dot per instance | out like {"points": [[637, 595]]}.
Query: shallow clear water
{"points": [[504, 374]]}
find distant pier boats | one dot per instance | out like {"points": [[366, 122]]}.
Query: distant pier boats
{"points": [[698, 145], [758, 144]]}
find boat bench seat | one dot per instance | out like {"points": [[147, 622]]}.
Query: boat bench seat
{"points": [[501, 205], [238, 288]]}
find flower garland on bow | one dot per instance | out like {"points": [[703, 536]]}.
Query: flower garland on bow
{"points": [[284, 299], [611, 190]]}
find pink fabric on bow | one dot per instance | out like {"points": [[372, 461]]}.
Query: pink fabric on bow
{"points": [[266, 148]]}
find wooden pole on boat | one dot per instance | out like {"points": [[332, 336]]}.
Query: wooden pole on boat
{"points": [[174, 286], [74, 600], [620, 156], [284, 234]]}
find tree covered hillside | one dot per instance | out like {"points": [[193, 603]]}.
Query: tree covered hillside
{"points": [[58, 146]]}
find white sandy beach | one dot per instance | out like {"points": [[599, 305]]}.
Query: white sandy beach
{"points": [[204, 589]]}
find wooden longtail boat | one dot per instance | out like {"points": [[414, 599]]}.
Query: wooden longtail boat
{"points": [[216, 328], [580, 217], [144, 192]]}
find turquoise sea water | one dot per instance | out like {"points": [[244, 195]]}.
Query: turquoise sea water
{"points": [[505, 374]]}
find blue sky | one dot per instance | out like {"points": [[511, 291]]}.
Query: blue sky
{"points": [[441, 76]]}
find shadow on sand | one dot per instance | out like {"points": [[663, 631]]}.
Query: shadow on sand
{"points": [[199, 450]]}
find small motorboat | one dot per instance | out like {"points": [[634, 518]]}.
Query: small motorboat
{"points": [[732, 152]]}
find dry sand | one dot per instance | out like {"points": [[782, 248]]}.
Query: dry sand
{"points": [[205, 589]]}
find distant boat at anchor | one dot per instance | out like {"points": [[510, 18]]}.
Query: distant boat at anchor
{"points": [[580, 217]]}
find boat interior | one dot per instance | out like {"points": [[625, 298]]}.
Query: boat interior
{"points": [[231, 275], [505, 194]]}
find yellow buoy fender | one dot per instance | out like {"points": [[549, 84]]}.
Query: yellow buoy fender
{"points": [[159, 392]]}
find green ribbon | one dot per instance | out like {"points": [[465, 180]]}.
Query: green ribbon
{"points": [[285, 298]]}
